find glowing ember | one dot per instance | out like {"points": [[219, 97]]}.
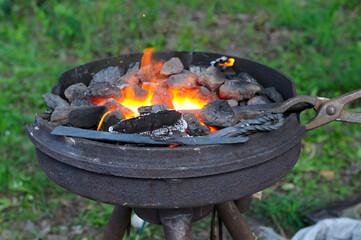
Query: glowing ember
{"points": [[228, 63], [102, 119], [139, 95]]}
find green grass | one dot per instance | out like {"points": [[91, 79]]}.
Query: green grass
{"points": [[317, 43]]}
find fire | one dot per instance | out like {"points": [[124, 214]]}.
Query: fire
{"points": [[228, 63], [187, 99]]}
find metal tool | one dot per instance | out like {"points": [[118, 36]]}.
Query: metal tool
{"points": [[327, 110]]}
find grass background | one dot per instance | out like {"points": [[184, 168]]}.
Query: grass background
{"points": [[316, 42]]}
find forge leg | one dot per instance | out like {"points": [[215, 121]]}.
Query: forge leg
{"points": [[117, 224], [232, 219], [177, 224]]}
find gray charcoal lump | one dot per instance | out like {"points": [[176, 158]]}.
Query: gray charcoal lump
{"points": [[172, 66], [104, 90], [86, 117], [258, 100], [272, 94], [211, 78], [61, 116], [184, 80], [152, 109], [112, 104], [194, 126], [75, 92], [110, 75], [133, 67], [54, 101], [217, 114], [235, 89]]}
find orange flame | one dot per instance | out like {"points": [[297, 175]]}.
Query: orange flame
{"points": [[183, 99], [228, 63]]}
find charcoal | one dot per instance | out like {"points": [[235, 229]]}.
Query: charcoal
{"points": [[198, 70], [245, 77], [133, 67], [217, 114], [112, 119], [86, 117], [104, 90], [75, 91], [109, 75], [247, 114], [211, 78], [172, 66], [112, 105], [194, 126], [148, 122], [61, 116], [205, 94], [232, 102], [45, 115], [235, 89], [272, 94], [130, 78], [54, 101], [81, 102], [258, 100], [152, 109], [229, 73], [184, 80], [150, 73], [162, 96]]}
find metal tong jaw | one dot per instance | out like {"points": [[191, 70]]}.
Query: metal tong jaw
{"points": [[327, 110]]}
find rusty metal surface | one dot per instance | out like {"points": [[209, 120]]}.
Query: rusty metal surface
{"points": [[234, 222], [177, 223], [118, 223], [152, 215]]}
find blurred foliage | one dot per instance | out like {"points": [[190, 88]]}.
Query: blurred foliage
{"points": [[317, 43]]}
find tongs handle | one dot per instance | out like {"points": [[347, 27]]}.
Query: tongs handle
{"points": [[332, 110]]}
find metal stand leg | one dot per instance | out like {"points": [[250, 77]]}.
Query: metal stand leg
{"points": [[117, 224], [177, 224], [232, 219]]}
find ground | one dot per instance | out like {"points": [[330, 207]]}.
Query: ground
{"points": [[317, 43]]}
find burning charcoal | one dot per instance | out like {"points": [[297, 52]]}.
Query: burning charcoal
{"points": [[184, 80], [54, 101], [112, 105], [151, 73], [258, 100], [86, 117], [80, 103], [148, 122], [205, 94], [162, 96], [247, 114], [112, 119], [130, 78], [104, 90], [152, 108], [61, 116], [172, 66], [272, 94], [110, 75], [238, 90], [194, 126], [133, 67], [75, 91], [232, 102], [211, 78], [217, 114]]}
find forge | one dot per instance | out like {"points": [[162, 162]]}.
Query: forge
{"points": [[177, 178]]}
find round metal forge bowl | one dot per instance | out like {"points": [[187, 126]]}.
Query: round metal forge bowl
{"points": [[162, 177]]}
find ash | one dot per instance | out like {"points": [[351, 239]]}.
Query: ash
{"points": [[177, 129]]}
